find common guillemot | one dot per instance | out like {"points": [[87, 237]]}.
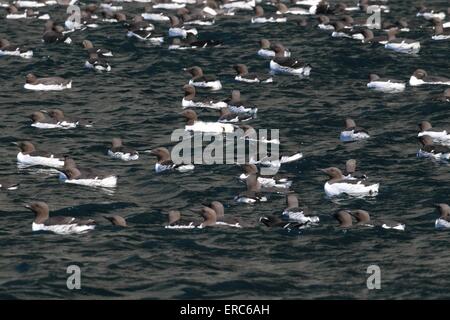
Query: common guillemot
{"points": [[46, 84], [253, 193], [165, 162], [266, 50], [198, 79], [425, 128], [443, 222], [421, 77], [385, 85], [193, 124], [244, 76], [190, 101], [29, 156], [7, 49], [116, 220], [337, 185], [70, 173], [260, 18], [218, 207], [119, 151], [295, 212], [56, 121], [282, 64], [431, 150], [175, 221], [57, 224], [353, 132]]}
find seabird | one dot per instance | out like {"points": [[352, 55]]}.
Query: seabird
{"points": [[338, 184], [296, 212], [244, 76], [385, 85], [353, 132], [29, 156], [193, 124], [443, 222], [46, 84], [282, 64], [421, 77], [119, 151], [165, 162], [200, 80], [116, 220], [430, 150], [57, 224]]}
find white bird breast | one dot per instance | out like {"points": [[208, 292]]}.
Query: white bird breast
{"points": [[27, 160], [47, 87], [387, 86], [358, 189], [63, 228]]}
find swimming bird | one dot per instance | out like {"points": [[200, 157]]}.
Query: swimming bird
{"points": [[282, 64], [385, 85], [29, 156], [353, 132], [178, 30], [190, 101], [119, 151], [116, 220], [431, 150], [165, 162], [250, 135], [7, 49], [46, 84], [56, 121], [276, 222], [266, 182], [198, 79], [342, 31], [444, 96], [295, 212], [253, 193], [54, 33], [421, 77], [97, 63], [142, 30], [228, 116], [260, 18], [244, 76], [175, 221], [218, 207], [401, 45], [443, 222], [193, 124], [351, 173], [266, 50], [6, 184], [425, 128], [439, 32], [429, 14], [337, 184], [236, 105], [283, 9], [102, 53], [70, 173], [209, 218], [57, 224]]}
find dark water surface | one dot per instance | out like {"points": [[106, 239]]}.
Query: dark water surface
{"points": [[139, 101]]}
